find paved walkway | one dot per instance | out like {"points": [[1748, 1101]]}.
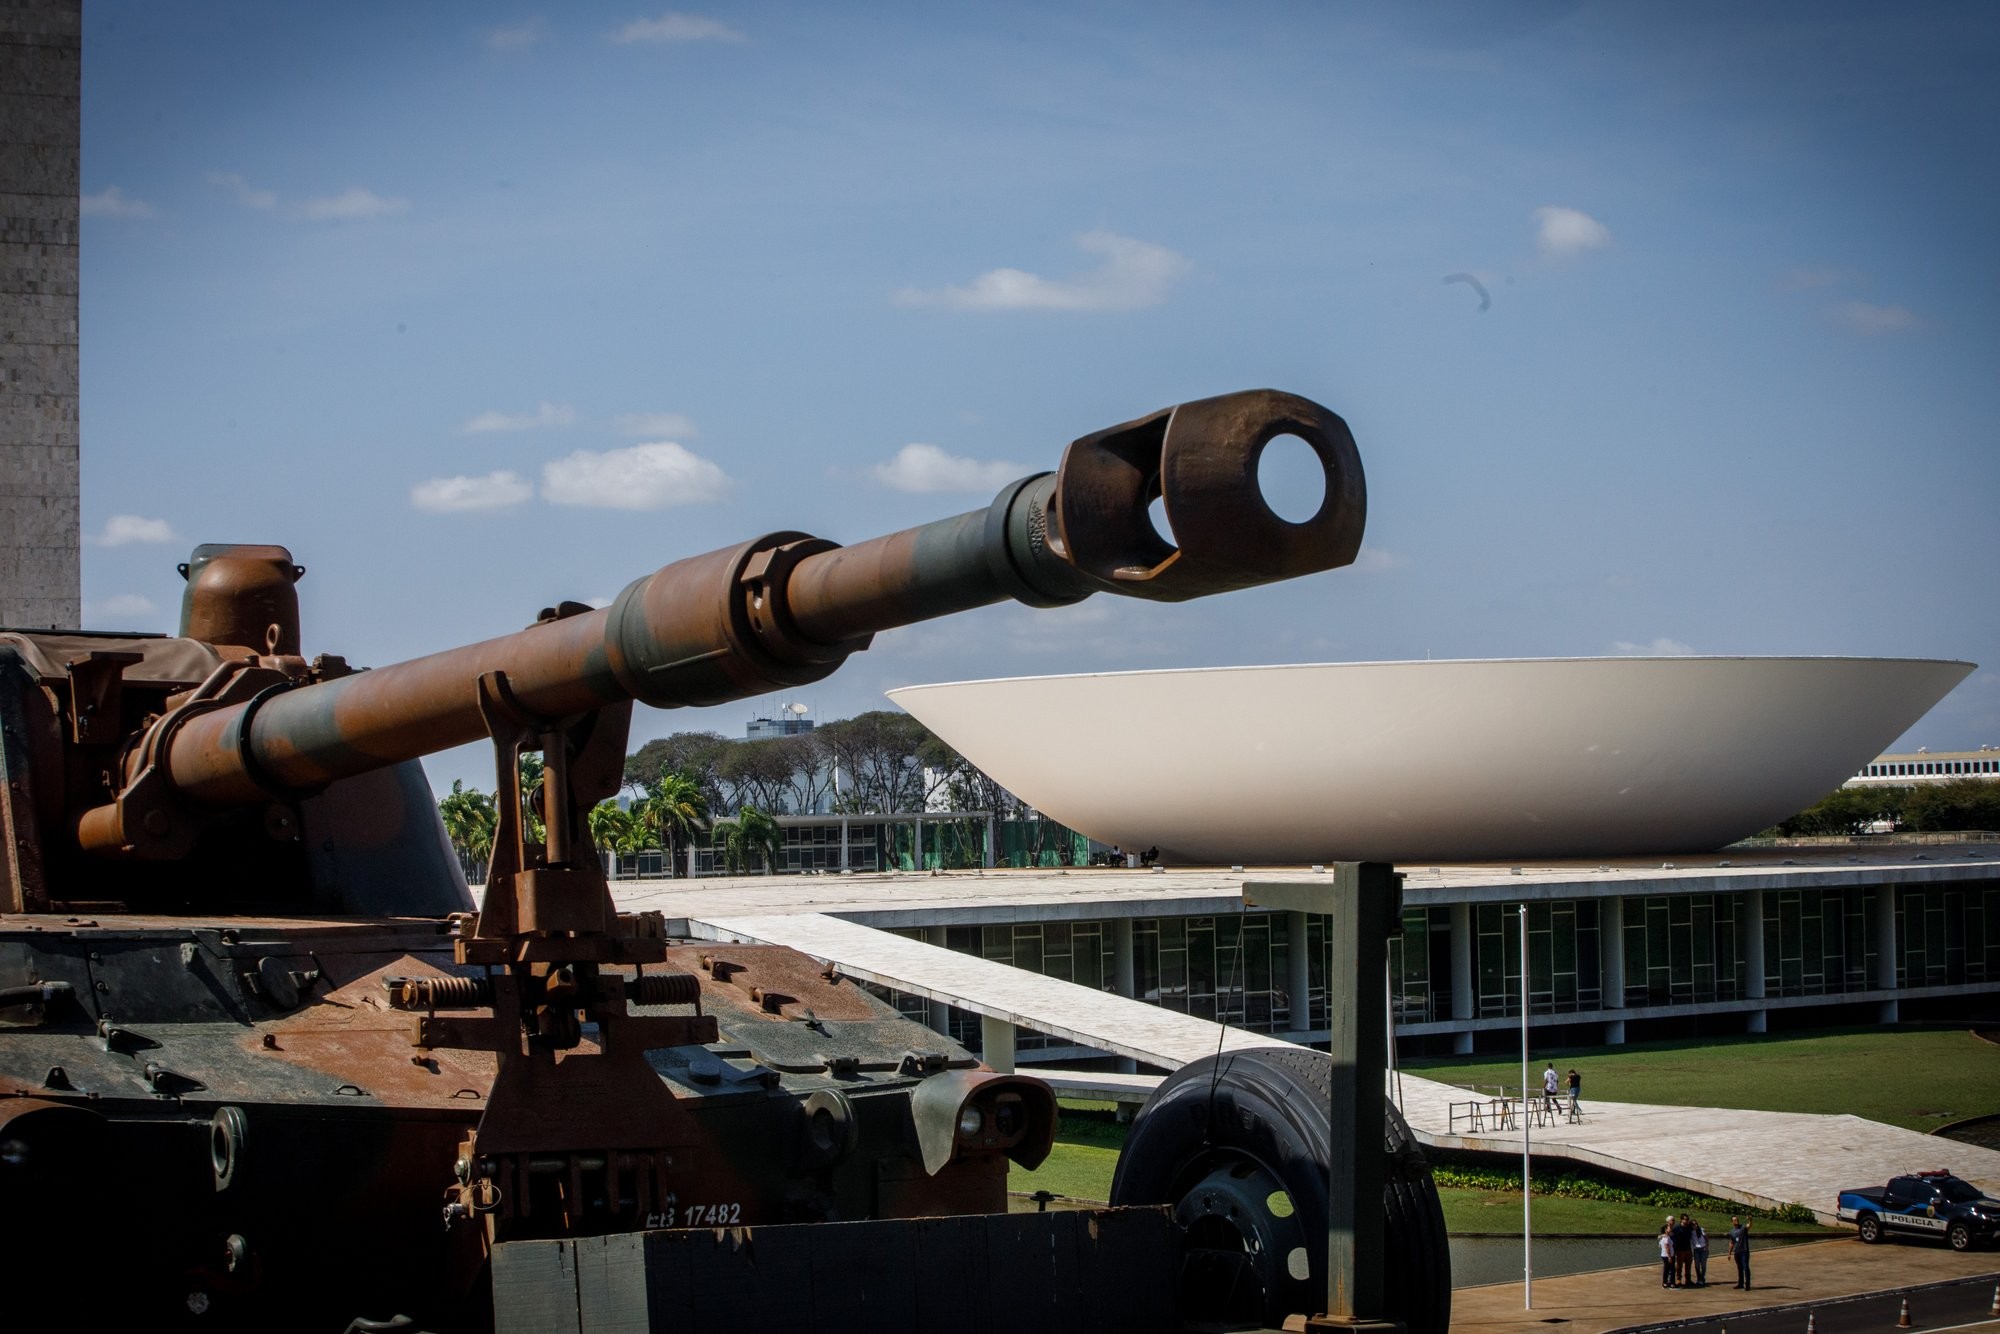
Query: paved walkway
{"points": [[1764, 1159], [1784, 1276]]}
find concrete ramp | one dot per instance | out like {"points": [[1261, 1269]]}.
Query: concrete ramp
{"points": [[1099, 1019], [1763, 1159]]}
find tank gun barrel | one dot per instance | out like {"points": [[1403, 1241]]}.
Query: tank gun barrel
{"points": [[787, 609]]}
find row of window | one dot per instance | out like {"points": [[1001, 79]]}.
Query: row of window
{"points": [[1684, 949], [1934, 767]]}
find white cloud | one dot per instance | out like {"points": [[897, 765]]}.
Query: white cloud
{"points": [[641, 477], [1565, 231], [354, 202], [1374, 560], [924, 468], [545, 414], [125, 607], [517, 38], [1659, 648], [110, 202], [672, 27], [458, 495], [1866, 318], [659, 424], [246, 194], [125, 529], [1134, 275]]}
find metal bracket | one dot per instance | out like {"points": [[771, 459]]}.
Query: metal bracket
{"points": [[96, 693]]}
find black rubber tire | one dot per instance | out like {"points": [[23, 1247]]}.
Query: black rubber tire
{"points": [[1959, 1237], [1271, 1106], [1869, 1228]]}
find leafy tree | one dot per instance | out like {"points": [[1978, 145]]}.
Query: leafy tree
{"points": [[673, 811], [1845, 810], [532, 771], [757, 773], [693, 754], [877, 752], [752, 837], [469, 821], [615, 829], [811, 776], [1955, 805]]}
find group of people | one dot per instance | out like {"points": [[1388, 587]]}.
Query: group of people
{"points": [[1684, 1252], [1552, 1092]]}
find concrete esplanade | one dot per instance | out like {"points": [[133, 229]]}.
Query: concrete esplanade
{"points": [[931, 939]]}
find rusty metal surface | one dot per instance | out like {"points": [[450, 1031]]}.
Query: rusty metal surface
{"points": [[242, 595]]}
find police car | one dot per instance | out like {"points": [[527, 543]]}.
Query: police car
{"points": [[1925, 1204]]}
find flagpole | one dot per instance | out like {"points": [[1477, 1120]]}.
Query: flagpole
{"points": [[1527, 1191]]}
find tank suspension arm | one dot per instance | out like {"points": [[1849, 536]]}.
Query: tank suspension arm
{"points": [[786, 609]]}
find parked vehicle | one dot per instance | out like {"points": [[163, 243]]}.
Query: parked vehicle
{"points": [[1924, 1204]]}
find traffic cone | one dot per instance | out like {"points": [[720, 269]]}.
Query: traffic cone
{"points": [[1995, 1308], [1811, 1328], [1903, 1320]]}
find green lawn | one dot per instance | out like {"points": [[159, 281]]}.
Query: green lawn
{"points": [[1082, 1172], [1915, 1079], [1498, 1212], [1075, 1171]]}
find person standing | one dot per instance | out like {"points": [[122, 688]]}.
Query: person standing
{"points": [[1739, 1251], [1575, 1092], [1700, 1255], [1683, 1239], [1666, 1256], [1549, 1084]]}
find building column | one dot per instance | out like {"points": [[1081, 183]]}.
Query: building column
{"points": [[1464, 982], [996, 1043], [1754, 978], [843, 843], [1125, 975], [992, 841], [920, 844], [940, 1011], [1298, 970], [1611, 963], [1886, 951]]}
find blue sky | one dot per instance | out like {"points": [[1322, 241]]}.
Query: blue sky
{"points": [[479, 307]]}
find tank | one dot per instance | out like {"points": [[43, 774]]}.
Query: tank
{"points": [[265, 1061]]}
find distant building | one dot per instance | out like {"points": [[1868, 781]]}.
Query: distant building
{"points": [[1925, 766], [790, 720], [1637, 949]]}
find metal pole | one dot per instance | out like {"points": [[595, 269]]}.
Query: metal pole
{"points": [[1389, 1033], [1367, 902], [1527, 1190]]}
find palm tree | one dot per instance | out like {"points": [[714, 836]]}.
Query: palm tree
{"points": [[751, 834], [673, 811], [469, 820], [615, 830], [532, 771]]}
